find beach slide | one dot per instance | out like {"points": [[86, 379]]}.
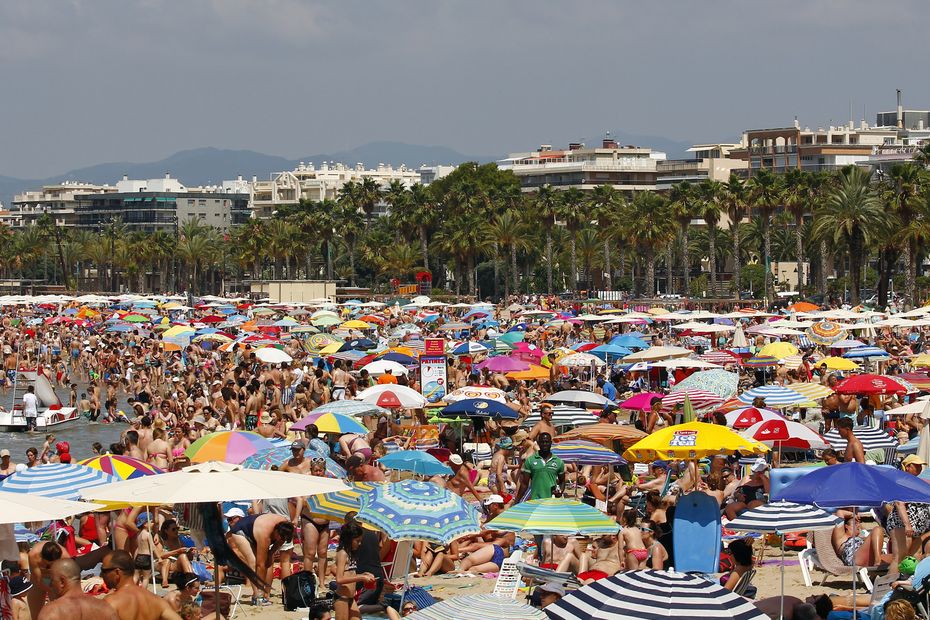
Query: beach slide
{"points": [[696, 533]]}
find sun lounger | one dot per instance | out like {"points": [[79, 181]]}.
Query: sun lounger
{"points": [[508, 580], [545, 575], [823, 556]]}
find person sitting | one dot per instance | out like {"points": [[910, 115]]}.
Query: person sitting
{"points": [[741, 550], [633, 543], [656, 555], [751, 490], [852, 548], [172, 553], [604, 559], [183, 600]]}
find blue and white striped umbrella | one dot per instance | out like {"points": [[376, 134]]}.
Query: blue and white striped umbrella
{"points": [[774, 395], [870, 438], [61, 480], [585, 452], [563, 415], [865, 352], [351, 408], [784, 517]]}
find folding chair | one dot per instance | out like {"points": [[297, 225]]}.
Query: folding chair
{"points": [[823, 556], [508, 579]]}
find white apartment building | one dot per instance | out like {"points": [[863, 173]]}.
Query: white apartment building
{"points": [[314, 184], [626, 168], [58, 200]]}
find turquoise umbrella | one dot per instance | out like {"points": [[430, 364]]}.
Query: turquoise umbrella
{"points": [[413, 510]]}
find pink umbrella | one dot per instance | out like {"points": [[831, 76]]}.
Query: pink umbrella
{"points": [[701, 400], [640, 402], [745, 417], [786, 434], [503, 363]]}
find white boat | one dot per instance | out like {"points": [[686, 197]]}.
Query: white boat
{"points": [[51, 411]]}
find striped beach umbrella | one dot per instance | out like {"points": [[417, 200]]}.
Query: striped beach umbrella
{"points": [[479, 607], [720, 382], [719, 357], [61, 480], [351, 408], [564, 415], [747, 416], [414, 510], [227, 446], [919, 380], [774, 395], [335, 505], [825, 332], [121, 467], [602, 433], [760, 361], [554, 516], [635, 595], [702, 400], [585, 452], [865, 353], [331, 423], [871, 438], [812, 391]]}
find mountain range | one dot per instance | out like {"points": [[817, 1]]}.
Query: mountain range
{"points": [[206, 166]]}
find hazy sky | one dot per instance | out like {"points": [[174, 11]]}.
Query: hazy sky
{"points": [[87, 81]]}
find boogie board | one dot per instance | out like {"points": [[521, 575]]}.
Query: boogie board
{"points": [[696, 533]]}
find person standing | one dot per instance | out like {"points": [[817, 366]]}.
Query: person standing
{"points": [[30, 407], [70, 601], [543, 472]]}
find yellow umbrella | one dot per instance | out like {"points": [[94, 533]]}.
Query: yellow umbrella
{"points": [[692, 441], [921, 361], [533, 373], [171, 305], [813, 391], [178, 330], [778, 350], [355, 324], [658, 311], [840, 363], [331, 348]]}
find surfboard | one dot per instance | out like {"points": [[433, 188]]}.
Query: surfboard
{"points": [[696, 533]]}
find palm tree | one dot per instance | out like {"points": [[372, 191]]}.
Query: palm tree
{"points": [[606, 205], [508, 230], [422, 206], [546, 205], [766, 191], [711, 195], [651, 225], [112, 232], [162, 246], [98, 253], [682, 198], [735, 199], [799, 196], [194, 251], [369, 195], [399, 259], [852, 214], [573, 213], [348, 223], [589, 247], [906, 181]]}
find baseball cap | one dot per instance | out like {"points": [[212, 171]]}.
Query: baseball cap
{"points": [[493, 499], [911, 459], [759, 466], [455, 459], [298, 445], [234, 512], [552, 588], [4, 452], [662, 464]]}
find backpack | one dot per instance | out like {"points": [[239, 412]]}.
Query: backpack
{"points": [[298, 590]]}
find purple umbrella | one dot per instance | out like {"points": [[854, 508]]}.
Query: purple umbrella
{"points": [[503, 363]]}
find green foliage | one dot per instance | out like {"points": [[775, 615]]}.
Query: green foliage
{"points": [[698, 286]]}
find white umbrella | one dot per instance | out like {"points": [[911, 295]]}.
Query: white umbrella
{"points": [[653, 354], [212, 482], [466, 392], [580, 397], [27, 508], [380, 367], [409, 398], [580, 360], [271, 355]]}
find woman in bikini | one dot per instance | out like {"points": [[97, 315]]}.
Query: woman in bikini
{"points": [[173, 555], [347, 580], [852, 548], [351, 444], [178, 442], [636, 552], [159, 452], [125, 530], [315, 531]]}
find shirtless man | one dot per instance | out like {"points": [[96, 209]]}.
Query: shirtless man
{"points": [[126, 598], [360, 471], [70, 601], [7, 466], [460, 482], [500, 466], [298, 463], [545, 422], [854, 450], [340, 381]]}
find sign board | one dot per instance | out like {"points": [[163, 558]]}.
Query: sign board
{"points": [[433, 381], [434, 346], [408, 289]]}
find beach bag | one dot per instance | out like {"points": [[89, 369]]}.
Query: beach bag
{"points": [[208, 603], [200, 569], [727, 563], [298, 590]]}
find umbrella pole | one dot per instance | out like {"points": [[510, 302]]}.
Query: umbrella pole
{"points": [[781, 609], [855, 570], [152, 556]]}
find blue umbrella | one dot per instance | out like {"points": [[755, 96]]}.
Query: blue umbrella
{"points": [[629, 341], [264, 459], [415, 461], [865, 352], [400, 358], [122, 327], [609, 350], [855, 484], [468, 348], [519, 327], [61, 480], [481, 408], [360, 344]]}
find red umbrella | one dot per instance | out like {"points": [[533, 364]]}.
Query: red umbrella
{"points": [[213, 318], [786, 434], [700, 399], [919, 380], [869, 384], [747, 416], [720, 357]]}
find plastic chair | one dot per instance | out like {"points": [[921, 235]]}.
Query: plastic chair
{"points": [[508, 579], [823, 556]]}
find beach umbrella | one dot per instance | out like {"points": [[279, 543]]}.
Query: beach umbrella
{"points": [[585, 452], [271, 355], [360, 344], [469, 348], [399, 358], [721, 358], [28, 507], [720, 382], [554, 516], [870, 384], [533, 373], [640, 402], [629, 341], [865, 353], [581, 360], [920, 361], [502, 363], [478, 607], [348, 407], [414, 510], [336, 504], [855, 484], [325, 320], [415, 461], [692, 441], [178, 330], [782, 518], [919, 380], [481, 408], [392, 397], [825, 332], [654, 354], [226, 446], [774, 395], [760, 361], [847, 344], [278, 455], [476, 392], [121, 467], [563, 415], [119, 328], [812, 391], [871, 438], [603, 433], [512, 337], [778, 350], [838, 363], [331, 423], [701, 400], [607, 351], [380, 367], [651, 594], [58, 480], [580, 397], [747, 416], [304, 329], [783, 433]]}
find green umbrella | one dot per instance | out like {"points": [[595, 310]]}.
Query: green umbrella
{"points": [[512, 337], [326, 320], [554, 516]]}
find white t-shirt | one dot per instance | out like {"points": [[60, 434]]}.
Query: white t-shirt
{"points": [[30, 405]]}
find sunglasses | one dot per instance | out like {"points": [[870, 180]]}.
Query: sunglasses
{"points": [[410, 608]]}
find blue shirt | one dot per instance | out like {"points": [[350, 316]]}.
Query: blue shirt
{"points": [[609, 390]]}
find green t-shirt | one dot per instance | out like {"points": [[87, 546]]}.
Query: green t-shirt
{"points": [[544, 474]]}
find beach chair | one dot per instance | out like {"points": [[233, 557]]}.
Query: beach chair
{"points": [[823, 556], [508, 579], [744, 582], [546, 575]]}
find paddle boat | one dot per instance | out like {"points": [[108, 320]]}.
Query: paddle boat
{"points": [[51, 412]]}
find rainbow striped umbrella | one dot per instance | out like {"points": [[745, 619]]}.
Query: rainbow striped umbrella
{"points": [[760, 361], [120, 467], [276, 456], [414, 510], [554, 516], [586, 452], [331, 423], [227, 446], [335, 505]]}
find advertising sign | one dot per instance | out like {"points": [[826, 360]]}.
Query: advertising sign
{"points": [[433, 379]]}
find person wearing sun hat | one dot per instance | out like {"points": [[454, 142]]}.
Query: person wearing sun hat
{"points": [[19, 586]]}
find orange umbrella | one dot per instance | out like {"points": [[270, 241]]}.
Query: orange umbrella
{"points": [[803, 306], [370, 318], [170, 346], [533, 373], [605, 434]]}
